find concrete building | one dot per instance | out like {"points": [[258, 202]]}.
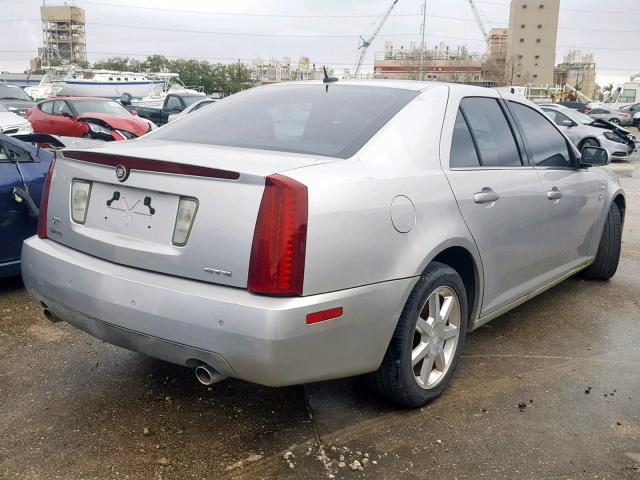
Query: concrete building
{"points": [[531, 48], [442, 63], [578, 71], [272, 70], [63, 34], [495, 61]]}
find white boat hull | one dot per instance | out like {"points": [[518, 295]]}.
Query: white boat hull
{"points": [[88, 88]]}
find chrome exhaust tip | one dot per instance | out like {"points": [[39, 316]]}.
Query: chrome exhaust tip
{"points": [[207, 375]]}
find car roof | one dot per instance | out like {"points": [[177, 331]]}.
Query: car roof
{"points": [[77, 99], [416, 85]]}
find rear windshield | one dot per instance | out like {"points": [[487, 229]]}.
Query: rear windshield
{"points": [[335, 121]]}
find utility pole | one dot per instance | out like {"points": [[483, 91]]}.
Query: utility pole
{"points": [[424, 21]]}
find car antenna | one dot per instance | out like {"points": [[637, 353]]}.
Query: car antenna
{"points": [[327, 79]]}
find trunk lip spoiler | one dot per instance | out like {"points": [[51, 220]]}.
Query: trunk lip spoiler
{"points": [[149, 165]]}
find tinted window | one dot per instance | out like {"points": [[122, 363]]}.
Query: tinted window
{"points": [[463, 151], [311, 119], [59, 107], [558, 118], [493, 136], [47, 107], [8, 91], [598, 111], [545, 145], [173, 103]]}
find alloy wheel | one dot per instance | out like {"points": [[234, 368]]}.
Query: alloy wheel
{"points": [[436, 337]]}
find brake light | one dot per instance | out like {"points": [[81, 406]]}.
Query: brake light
{"points": [[44, 202], [279, 239]]}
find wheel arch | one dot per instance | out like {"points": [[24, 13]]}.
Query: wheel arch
{"points": [[621, 203], [582, 142], [469, 267]]}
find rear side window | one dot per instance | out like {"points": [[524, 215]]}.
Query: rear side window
{"points": [[491, 132], [463, 150], [47, 107], [334, 120], [545, 145]]}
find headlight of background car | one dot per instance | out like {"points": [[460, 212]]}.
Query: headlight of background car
{"points": [[95, 128], [25, 128], [613, 137], [18, 111]]}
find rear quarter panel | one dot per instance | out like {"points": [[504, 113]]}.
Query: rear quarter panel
{"points": [[351, 240]]}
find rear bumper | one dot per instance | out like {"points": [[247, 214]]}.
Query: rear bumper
{"points": [[260, 339]]}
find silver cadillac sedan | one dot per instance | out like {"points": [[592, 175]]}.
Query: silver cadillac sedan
{"points": [[309, 231]]}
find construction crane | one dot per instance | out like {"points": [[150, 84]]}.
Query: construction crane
{"points": [[366, 42], [479, 21]]}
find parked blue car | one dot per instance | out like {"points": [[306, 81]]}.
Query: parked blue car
{"points": [[23, 169]]}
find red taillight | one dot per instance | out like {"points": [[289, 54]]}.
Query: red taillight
{"points": [[279, 240], [44, 202]]}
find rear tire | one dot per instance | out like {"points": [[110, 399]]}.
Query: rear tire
{"points": [[423, 353], [606, 263], [615, 121]]}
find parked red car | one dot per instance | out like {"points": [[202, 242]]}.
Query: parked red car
{"points": [[89, 117]]}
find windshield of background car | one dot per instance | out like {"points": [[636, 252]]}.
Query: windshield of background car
{"points": [[3, 108], [577, 117], [191, 100], [313, 119], [97, 106], [14, 92]]}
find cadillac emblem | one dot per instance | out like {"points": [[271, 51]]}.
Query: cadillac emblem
{"points": [[122, 173]]}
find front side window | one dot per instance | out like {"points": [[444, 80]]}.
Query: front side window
{"points": [[313, 119], [47, 107], [60, 107], [174, 103], [491, 132], [558, 118], [545, 144]]}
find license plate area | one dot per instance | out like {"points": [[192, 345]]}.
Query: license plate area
{"points": [[136, 213]]}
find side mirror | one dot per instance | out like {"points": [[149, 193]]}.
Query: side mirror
{"points": [[125, 99], [594, 156], [133, 112], [66, 114]]}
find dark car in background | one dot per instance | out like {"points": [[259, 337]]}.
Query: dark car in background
{"points": [[23, 169], [15, 99], [89, 117], [173, 103]]}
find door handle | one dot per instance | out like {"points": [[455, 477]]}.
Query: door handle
{"points": [[487, 195], [554, 194]]}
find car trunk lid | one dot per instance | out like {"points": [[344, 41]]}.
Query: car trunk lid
{"points": [[135, 200]]}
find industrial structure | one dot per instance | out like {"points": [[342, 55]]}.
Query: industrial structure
{"points": [[441, 63], [578, 71], [531, 48], [63, 35]]}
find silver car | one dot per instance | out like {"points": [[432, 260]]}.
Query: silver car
{"points": [[308, 231], [192, 108], [582, 131], [617, 117]]}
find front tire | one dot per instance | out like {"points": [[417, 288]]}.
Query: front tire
{"points": [[424, 350], [606, 263]]}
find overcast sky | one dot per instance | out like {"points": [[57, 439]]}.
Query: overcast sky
{"points": [[611, 30]]}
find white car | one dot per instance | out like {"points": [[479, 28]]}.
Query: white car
{"points": [[13, 124], [585, 131], [192, 108]]}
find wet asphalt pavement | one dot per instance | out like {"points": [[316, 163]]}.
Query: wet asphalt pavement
{"points": [[549, 390]]}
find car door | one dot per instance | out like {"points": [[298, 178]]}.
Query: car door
{"points": [[500, 198], [15, 223], [64, 123], [574, 196]]}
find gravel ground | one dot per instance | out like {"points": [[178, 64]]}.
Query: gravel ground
{"points": [[550, 390]]}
